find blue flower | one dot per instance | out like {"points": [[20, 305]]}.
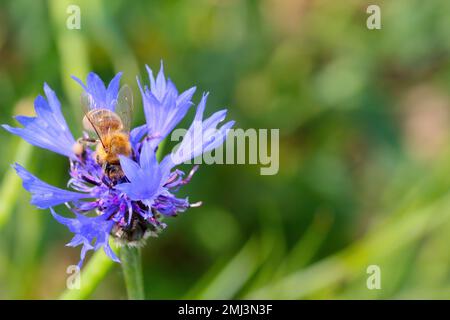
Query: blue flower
{"points": [[128, 206], [101, 97], [164, 108], [48, 129]]}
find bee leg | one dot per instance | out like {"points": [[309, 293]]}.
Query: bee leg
{"points": [[105, 168], [87, 141]]}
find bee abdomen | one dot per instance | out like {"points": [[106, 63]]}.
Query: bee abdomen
{"points": [[104, 120]]}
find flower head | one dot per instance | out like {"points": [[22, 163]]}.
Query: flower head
{"points": [[129, 206]]}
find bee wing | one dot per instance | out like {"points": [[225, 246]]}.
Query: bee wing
{"points": [[124, 107], [89, 123]]}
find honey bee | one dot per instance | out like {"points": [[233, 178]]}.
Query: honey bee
{"points": [[112, 129]]}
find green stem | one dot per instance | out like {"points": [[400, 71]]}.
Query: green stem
{"points": [[132, 272]]}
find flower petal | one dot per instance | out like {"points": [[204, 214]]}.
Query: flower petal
{"points": [[91, 232], [163, 107], [48, 129], [102, 97], [44, 195], [202, 136], [113, 89], [130, 168], [145, 179], [137, 134]]}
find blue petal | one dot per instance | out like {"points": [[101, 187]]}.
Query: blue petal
{"points": [[44, 195], [201, 107], [145, 179], [186, 96], [102, 97], [24, 120], [131, 191], [91, 232], [169, 205], [164, 108], [160, 87], [137, 134], [113, 89], [130, 168], [97, 89], [147, 158], [48, 129], [202, 136]]}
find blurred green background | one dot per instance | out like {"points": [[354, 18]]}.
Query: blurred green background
{"points": [[364, 119]]}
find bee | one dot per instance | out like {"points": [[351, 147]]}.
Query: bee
{"points": [[112, 129]]}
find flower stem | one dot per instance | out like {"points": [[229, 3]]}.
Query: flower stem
{"points": [[132, 271]]}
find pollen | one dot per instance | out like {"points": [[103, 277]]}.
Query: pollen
{"points": [[77, 148]]}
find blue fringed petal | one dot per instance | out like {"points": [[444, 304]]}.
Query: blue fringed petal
{"points": [[164, 108], [102, 97], [44, 195], [137, 134], [48, 129], [145, 178], [202, 136], [91, 232]]}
